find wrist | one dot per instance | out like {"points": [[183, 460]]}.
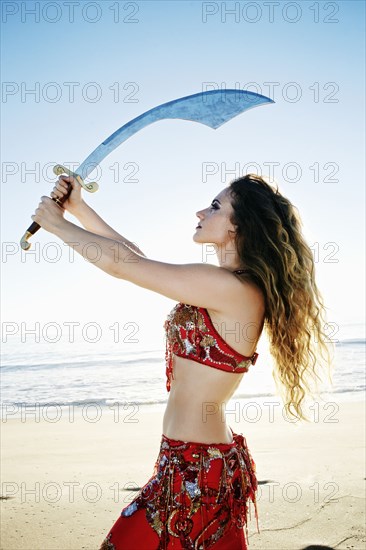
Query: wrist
{"points": [[78, 209]]}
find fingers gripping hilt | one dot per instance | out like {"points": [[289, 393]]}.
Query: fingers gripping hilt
{"points": [[91, 187]]}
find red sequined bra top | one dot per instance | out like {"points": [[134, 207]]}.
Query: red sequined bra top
{"points": [[190, 333]]}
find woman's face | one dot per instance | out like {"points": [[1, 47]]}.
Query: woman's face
{"points": [[214, 221]]}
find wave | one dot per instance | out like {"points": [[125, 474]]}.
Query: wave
{"points": [[108, 403], [83, 363], [351, 342]]}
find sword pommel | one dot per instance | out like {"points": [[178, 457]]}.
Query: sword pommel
{"points": [[25, 245]]}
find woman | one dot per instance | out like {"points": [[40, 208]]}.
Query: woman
{"points": [[204, 477]]}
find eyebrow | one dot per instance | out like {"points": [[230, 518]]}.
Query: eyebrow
{"points": [[216, 200]]}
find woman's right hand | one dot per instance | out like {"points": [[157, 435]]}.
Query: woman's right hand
{"points": [[74, 200]]}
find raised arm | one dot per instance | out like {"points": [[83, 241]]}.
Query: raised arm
{"points": [[95, 224], [201, 285], [90, 220]]}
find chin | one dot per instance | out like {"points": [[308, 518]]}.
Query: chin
{"points": [[197, 238]]}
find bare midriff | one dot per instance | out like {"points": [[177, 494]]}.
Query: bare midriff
{"points": [[197, 400]]}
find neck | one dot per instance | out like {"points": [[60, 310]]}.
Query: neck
{"points": [[228, 257]]}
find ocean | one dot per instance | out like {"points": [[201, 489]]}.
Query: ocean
{"points": [[104, 374]]}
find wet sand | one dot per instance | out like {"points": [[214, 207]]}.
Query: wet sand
{"points": [[65, 480]]}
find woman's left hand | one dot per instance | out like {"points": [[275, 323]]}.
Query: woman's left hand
{"points": [[49, 215]]}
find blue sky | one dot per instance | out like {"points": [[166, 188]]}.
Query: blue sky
{"points": [[137, 55]]}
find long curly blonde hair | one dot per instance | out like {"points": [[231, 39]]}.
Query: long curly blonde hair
{"points": [[277, 258]]}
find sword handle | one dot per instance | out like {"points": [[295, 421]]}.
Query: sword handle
{"points": [[57, 170], [33, 228]]}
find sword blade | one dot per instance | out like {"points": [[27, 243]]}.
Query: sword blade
{"points": [[212, 108]]}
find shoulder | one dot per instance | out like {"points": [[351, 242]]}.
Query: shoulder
{"points": [[247, 306], [245, 294]]}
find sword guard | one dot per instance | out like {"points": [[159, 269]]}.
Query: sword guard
{"points": [[91, 187]]}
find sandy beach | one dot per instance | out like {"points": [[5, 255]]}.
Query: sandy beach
{"points": [[65, 478]]}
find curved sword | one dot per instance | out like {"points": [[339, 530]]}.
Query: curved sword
{"points": [[212, 108]]}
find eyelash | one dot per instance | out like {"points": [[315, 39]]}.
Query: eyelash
{"points": [[214, 207]]}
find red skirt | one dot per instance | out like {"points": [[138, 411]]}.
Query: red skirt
{"points": [[197, 498]]}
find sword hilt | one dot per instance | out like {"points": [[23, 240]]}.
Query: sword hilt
{"points": [[57, 170], [90, 187]]}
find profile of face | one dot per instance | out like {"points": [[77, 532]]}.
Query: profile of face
{"points": [[214, 224]]}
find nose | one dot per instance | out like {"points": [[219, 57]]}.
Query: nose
{"points": [[199, 214]]}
